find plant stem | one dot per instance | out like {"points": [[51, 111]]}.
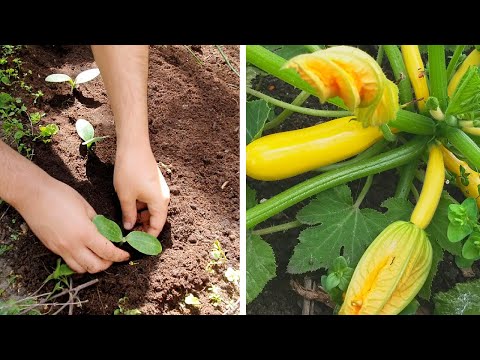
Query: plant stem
{"points": [[299, 109], [401, 75], [386, 161], [277, 228], [407, 173], [299, 100], [414, 191], [387, 133], [380, 54], [226, 60], [453, 62], [363, 193], [273, 64], [413, 123], [199, 61], [371, 151], [312, 48], [438, 74], [465, 145]]}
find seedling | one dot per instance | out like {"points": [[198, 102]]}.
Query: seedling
{"points": [[215, 295], [123, 311], [140, 241], [61, 274], [81, 78], [232, 275], [217, 256], [46, 133], [87, 133], [192, 300]]}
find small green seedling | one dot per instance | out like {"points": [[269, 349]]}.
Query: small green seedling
{"points": [[61, 274], [46, 133], [81, 78], [215, 295], [192, 300], [232, 275], [123, 311], [140, 241], [87, 133]]}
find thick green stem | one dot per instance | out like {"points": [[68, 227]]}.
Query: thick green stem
{"points": [[298, 109], [413, 123], [465, 145], [298, 101], [278, 228], [367, 154], [364, 192], [407, 173], [386, 161], [313, 48], [438, 74], [453, 62], [380, 54], [401, 76]]}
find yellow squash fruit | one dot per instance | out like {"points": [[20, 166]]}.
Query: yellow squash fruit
{"points": [[355, 77], [473, 59], [452, 163], [390, 273], [286, 154], [416, 73], [431, 190]]}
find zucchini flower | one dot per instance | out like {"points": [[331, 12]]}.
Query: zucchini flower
{"points": [[355, 77], [395, 266]]}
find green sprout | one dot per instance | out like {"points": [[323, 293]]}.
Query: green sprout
{"points": [[123, 311], [81, 78], [232, 275], [87, 133], [140, 241], [192, 300]]}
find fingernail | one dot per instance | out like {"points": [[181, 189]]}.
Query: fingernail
{"points": [[127, 225]]}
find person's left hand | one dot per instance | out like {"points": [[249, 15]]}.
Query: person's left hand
{"points": [[142, 190]]}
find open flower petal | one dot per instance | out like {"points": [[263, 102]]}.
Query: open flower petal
{"points": [[390, 273], [355, 77]]}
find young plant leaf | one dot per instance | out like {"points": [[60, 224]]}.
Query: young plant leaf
{"points": [[84, 130], [257, 113], [108, 228], [437, 230], [261, 265], [143, 242], [87, 75], [471, 248], [94, 140], [56, 78], [343, 225], [463, 299]]}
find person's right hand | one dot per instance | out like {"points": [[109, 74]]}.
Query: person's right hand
{"points": [[61, 219]]}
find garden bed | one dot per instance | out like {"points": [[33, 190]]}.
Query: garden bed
{"points": [[279, 295], [194, 124]]}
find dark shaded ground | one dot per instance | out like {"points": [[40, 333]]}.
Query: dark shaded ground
{"points": [[278, 296], [194, 122]]}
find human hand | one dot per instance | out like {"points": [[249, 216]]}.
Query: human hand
{"points": [[142, 190], [61, 218]]}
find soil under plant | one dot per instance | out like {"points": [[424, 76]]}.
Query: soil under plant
{"points": [[278, 296], [194, 133]]}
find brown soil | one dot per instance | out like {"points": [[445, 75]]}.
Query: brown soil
{"points": [[194, 123]]}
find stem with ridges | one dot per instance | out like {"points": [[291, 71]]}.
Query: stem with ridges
{"points": [[386, 161], [400, 72], [465, 145], [453, 62], [364, 192], [277, 228], [298, 109], [298, 101], [407, 173], [312, 48], [438, 74]]}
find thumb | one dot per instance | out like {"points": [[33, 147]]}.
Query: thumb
{"points": [[129, 211]]}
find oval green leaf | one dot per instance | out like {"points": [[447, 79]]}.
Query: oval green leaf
{"points": [[84, 129], [87, 75], [143, 242], [58, 78], [108, 228]]}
